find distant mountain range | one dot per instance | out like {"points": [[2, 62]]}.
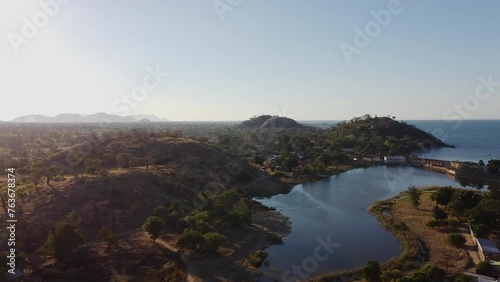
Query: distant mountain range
{"points": [[98, 117]]}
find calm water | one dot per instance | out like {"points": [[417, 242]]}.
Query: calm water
{"points": [[475, 139], [336, 207]]}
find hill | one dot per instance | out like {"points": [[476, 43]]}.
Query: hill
{"points": [[119, 181], [385, 135], [268, 121], [178, 169]]}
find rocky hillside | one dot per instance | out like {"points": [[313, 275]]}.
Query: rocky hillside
{"points": [[385, 135], [268, 121]]}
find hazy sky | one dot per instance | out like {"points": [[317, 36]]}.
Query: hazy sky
{"points": [[279, 57]]}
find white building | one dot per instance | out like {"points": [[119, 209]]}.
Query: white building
{"points": [[394, 159], [488, 250]]}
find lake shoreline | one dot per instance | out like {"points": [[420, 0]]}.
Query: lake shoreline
{"points": [[416, 250]]}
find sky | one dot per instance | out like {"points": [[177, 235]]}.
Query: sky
{"points": [[219, 60]]}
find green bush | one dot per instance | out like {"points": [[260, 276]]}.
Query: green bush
{"points": [[154, 225], [433, 223], [212, 241], [256, 258], [456, 239], [439, 214], [276, 240], [484, 268], [391, 275], [191, 239], [371, 271], [65, 238]]}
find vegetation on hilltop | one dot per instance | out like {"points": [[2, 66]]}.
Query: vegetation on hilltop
{"points": [[268, 121], [382, 136]]}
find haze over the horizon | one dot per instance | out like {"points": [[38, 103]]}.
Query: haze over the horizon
{"points": [[279, 57]]}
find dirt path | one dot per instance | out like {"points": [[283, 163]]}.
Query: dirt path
{"points": [[139, 234], [191, 277]]}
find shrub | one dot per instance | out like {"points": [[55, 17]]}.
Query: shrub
{"points": [[276, 240], [106, 234], [391, 275], [154, 225], [191, 239], [456, 239], [433, 273], [484, 268], [433, 223], [371, 272], [439, 214], [461, 278], [212, 241], [65, 238], [256, 258]]}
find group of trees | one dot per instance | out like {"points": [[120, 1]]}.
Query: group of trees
{"points": [[64, 238], [478, 174], [481, 210], [201, 228], [381, 136], [372, 272]]}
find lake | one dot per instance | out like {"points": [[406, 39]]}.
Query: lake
{"points": [[333, 212]]}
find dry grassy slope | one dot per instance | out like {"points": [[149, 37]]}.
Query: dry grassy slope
{"points": [[198, 162], [183, 168], [441, 253]]}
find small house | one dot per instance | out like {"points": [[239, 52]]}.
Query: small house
{"points": [[488, 250]]}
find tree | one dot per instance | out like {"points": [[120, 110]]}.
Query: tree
{"points": [[439, 214], [259, 160], [339, 158], [51, 172], [414, 195], [372, 272], [461, 278], [212, 241], [443, 195], [65, 238], [191, 239], [391, 275], [106, 234], [154, 225], [92, 166], [484, 268], [456, 239], [433, 273], [456, 207], [250, 206], [124, 160]]}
